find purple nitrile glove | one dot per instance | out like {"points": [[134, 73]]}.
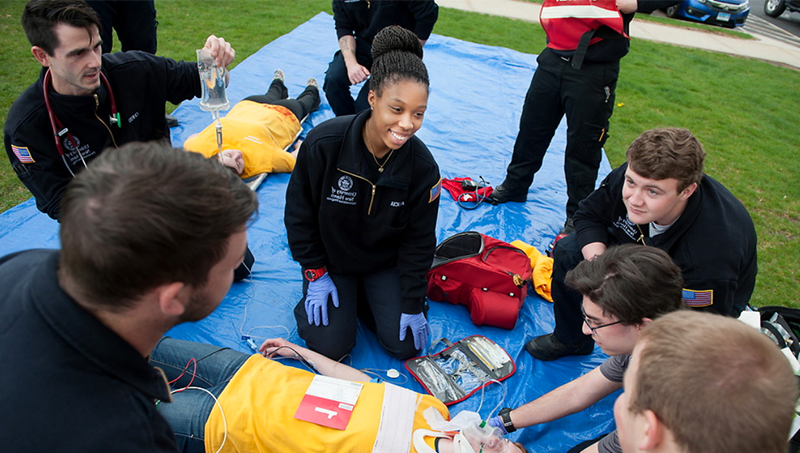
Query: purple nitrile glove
{"points": [[317, 299], [497, 422], [419, 328]]}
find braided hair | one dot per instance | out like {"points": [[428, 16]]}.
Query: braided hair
{"points": [[397, 55]]}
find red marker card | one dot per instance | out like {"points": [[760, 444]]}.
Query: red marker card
{"points": [[329, 402]]}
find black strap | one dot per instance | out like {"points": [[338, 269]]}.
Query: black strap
{"points": [[604, 32], [583, 46]]}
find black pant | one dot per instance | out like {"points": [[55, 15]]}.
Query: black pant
{"points": [[584, 445], [277, 94], [586, 96], [245, 268], [337, 88], [375, 299], [134, 21], [566, 301]]}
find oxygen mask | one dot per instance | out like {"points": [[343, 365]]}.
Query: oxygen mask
{"points": [[483, 438]]}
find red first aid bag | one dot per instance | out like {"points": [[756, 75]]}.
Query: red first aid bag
{"points": [[485, 274]]}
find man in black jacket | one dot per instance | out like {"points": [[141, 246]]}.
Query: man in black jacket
{"points": [[357, 23], [83, 102], [659, 198], [576, 77], [150, 237]]}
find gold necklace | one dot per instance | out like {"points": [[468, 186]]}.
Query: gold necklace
{"points": [[366, 142]]}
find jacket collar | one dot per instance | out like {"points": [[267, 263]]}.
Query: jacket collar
{"points": [[75, 104], [398, 174], [686, 219], [90, 338]]}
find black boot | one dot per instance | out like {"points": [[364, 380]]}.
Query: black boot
{"points": [[547, 347], [501, 195]]}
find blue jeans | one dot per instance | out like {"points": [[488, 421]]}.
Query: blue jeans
{"points": [[190, 408]]}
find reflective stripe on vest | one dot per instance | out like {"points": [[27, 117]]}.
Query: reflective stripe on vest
{"points": [[566, 21]]}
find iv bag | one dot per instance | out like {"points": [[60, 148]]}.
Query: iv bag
{"points": [[212, 79]]}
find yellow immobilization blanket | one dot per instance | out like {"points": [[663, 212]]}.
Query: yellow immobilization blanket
{"points": [[260, 402], [541, 269], [262, 132]]}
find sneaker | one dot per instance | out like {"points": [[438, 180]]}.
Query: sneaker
{"points": [[547, 347], [501, 195], [279, 75], [312, 82]]}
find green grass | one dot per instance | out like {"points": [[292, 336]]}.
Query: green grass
{"points": [[743, 111]]}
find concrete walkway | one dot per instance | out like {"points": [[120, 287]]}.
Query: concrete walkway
{"points": [[762, 48]]}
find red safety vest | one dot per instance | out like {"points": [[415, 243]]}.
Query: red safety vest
{"points": [[574, 24]]}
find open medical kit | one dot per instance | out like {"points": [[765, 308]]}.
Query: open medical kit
{"points": [[462, 369], [483, 273]]}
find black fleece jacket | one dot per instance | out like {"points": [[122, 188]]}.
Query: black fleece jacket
{"points": [[339, 216]]}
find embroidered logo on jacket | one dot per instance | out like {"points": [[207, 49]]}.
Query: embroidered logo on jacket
{"points": [[627, 227], [76, 149], [343, 194], [70, 143], [345, 183]]}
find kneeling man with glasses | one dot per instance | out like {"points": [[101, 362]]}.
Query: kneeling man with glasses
{"points": [[623, 290]]}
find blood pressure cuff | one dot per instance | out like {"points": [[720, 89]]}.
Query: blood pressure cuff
{"points": [[462, 369], [465, 189]]}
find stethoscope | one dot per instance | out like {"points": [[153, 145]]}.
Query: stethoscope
{"points": [[59, 130]]}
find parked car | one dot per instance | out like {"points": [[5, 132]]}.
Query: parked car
{"points": [[726, 13], [775, 8]]}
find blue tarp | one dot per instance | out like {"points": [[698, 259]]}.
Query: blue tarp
{"points": [[475, 101]]}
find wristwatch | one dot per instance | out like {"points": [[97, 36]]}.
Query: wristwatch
{"points": [[506, 419], [313, 274]]}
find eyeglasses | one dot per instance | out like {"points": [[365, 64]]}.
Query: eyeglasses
{"points": [[594, 328]]}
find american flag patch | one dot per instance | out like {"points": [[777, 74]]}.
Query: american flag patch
{"points": [[23, 154], [694, 298], [436, 191]]}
